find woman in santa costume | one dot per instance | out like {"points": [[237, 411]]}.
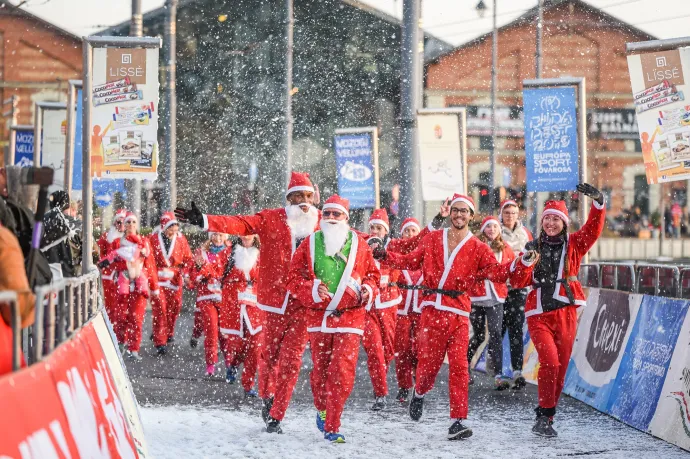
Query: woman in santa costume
{"points": [[105, 245], [334, 277], [551, 308], [174, 261], [451, 260], [137, 280], [487, 305], [281, 231]]}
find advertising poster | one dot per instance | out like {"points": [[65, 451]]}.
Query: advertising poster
{"points": [[646, 359], [24, 147], [551, 139], [356, 163], [439, 155], [660, 92], [124, 131], [53, 140], [603, 332], [76, 154]]}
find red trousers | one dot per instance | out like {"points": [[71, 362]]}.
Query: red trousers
{"points": [[198, 329], [285, 338], [238, 349], [209, 312], [173, 305], [110, 300], [444, 332], [406, 330], [335, 359], [128, 327], [378, 341], [553, 334]]}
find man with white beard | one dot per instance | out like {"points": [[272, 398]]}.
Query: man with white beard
{"points": [[281, 231], [334, 278]]}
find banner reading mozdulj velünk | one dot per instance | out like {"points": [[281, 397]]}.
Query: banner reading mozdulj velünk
{"points": [[551, 147], [23, 147], [356, 162], [439, 155], [124, 130], [660, 93]]}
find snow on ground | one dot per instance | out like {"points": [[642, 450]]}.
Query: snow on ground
{"points": [[196, 432]]}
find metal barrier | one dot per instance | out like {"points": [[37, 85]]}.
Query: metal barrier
{"points": [[651, 279]]}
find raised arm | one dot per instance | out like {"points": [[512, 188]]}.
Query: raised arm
{"points": [[239, 225]]}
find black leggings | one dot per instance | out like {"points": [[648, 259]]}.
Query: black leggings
{"points": [[494, 319], [513, 321]]}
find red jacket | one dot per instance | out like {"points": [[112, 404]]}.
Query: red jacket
{"points": [[134, 263], [389, 295], [360, 274], [578, 245], [172, 265], [411, 303], [105, 245], [207, 288], [481, 291]]}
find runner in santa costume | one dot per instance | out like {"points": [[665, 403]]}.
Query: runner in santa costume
{"points": [[551, 308], [137, 280], [174, 261], [487, 305], [281, 231], [516, 236], [406, 328], [451, 260], [379, 327], [105, 245], [334, 278]]}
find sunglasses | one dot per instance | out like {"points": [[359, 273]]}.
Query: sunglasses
{"points": [[331, 213], [119, 222]]}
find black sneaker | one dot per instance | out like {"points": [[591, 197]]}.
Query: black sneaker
{"points": [[379, 404], [403, 395], [266, 408], [543, 427], [171, 340], [193, 343], [416, 407], [519, 383], [161, 350], [458, 431], [273, 426]]}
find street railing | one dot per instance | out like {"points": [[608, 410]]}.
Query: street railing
{"points": [[651, 279]]}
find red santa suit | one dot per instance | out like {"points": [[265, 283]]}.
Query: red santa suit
{"points": [[553, 327], [285, 334], [173, 266], [108, 275], [444, 322], [335, 325]]}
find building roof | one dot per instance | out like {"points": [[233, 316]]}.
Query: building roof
{"points": [[8, 9], [531, 15]]}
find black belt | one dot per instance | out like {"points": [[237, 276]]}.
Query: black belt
{"points": [[566, 286], [426, 290]]}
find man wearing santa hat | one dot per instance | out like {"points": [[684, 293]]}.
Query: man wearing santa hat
{"points": [[334, 278], [174, 260], [281, 231], [551, 308], [106, 245], [451, 260]]}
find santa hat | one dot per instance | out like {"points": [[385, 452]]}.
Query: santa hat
{"points": [[338, 203], [509, 202], [167, 220], [557, 208], [410, 221], [487, 221], [131, 216], [121, 213], [299, 181], [380, 217], [462, 198]]}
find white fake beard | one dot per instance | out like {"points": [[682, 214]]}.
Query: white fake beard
{"points": [[334, 235], [113, 234], [245, 259], [301, 224]]}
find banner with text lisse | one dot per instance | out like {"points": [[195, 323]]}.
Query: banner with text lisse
{"points": [[124, 130], [551, 139], [356, 163], [660, 93]]}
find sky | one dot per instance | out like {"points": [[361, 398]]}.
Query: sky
{"points": [[454, 21]]}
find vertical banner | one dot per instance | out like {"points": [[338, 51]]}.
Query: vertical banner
{"points": [[53, 139], [24, 147], [124, 130], [356, 162], [440, 155], [551, 139], [77, 153], [660, 92]]}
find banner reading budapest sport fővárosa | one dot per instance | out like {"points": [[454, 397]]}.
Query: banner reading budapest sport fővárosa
{"points": [[660, 91], [124, 113]]}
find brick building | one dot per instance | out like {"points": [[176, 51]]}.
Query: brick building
{"points": [[36, 61], [578, 40]]}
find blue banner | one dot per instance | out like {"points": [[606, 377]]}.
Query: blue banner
{"points": [[77, 157], [551, 139], [354, 162], [643, 369], [24, 147]]}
